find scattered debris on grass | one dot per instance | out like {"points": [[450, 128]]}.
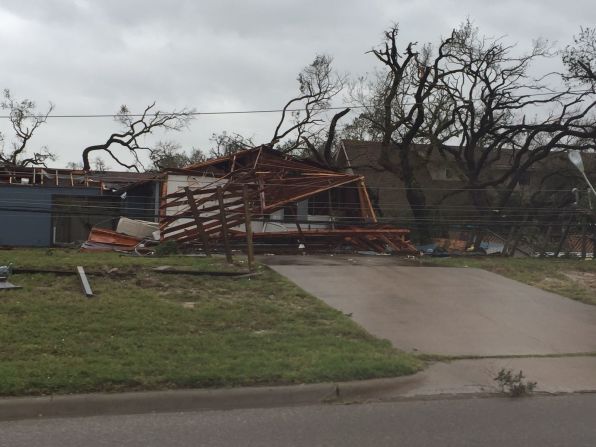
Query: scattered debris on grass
{"points": [[5, 272], [84, 282]]}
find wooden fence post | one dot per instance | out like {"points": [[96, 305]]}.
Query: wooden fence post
{"points": [[584, 240], [248, 229], [224, 224]]}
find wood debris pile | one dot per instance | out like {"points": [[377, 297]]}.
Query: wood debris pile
{"points": [[252, 185]]}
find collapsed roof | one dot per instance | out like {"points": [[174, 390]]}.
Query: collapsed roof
{"points": [[50, 177], [258, 182]]}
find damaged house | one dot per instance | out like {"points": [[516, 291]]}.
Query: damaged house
{"points": [[43, 207], [287, 201]]}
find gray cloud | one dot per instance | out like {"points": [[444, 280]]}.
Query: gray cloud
{"points": [[91, 56]]}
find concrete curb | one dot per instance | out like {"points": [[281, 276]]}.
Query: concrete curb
{"points": [[201, 399]]}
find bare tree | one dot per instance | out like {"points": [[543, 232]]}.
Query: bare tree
{"points": [[396, 107], [321, 146], [301, 128], [302, 117], [360, 129], [134, 128], [25, 120], [474, 103], [499, 114], [195, 156], [580, 57], [224, 143], [99, 164], [167, 154], [74, 165]]}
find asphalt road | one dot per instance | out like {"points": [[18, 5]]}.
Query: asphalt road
{"points": [[449, 311], [538, 421]]}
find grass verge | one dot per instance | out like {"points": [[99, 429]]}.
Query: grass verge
{"points": [[145, 331], [575, 279]]}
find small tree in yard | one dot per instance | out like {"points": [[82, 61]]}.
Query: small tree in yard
{"points": [[135, 128], [25, 120]]}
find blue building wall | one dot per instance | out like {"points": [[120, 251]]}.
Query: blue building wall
{"points": [[26, 213]]}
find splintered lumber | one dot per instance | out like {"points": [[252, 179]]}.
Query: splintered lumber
{"points": [[199, 224], [253, 184], [248, 229], [5, 285], [224, 225], [84, 282], [367, 208], [327, 233], [376, 239]]}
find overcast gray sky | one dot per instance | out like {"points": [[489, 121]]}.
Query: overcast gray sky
{"points": [[92, 56]]}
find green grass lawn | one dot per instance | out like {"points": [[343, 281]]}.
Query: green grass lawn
{"points": [[145, 331], [64, 259], [572, 278]]}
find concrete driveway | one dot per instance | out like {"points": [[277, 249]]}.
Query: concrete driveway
{"points": [[448, 311]]}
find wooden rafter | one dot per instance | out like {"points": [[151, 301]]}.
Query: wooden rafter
{"points": [[269, 181]]}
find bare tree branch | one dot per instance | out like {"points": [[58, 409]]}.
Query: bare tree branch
{"points": [[25, 120], [133, 129], [318, 85]]}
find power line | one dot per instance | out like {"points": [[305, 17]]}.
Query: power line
{"points": [[238, 112], [403, 221], [227, 112], [196, 178]]}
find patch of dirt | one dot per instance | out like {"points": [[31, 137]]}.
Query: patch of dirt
{"points": [[149, 283], [549, 281], [586, 279]]}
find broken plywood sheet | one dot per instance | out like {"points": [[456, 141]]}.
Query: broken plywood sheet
{"points": [[5, 285], [84, 282], [141, 229]]}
